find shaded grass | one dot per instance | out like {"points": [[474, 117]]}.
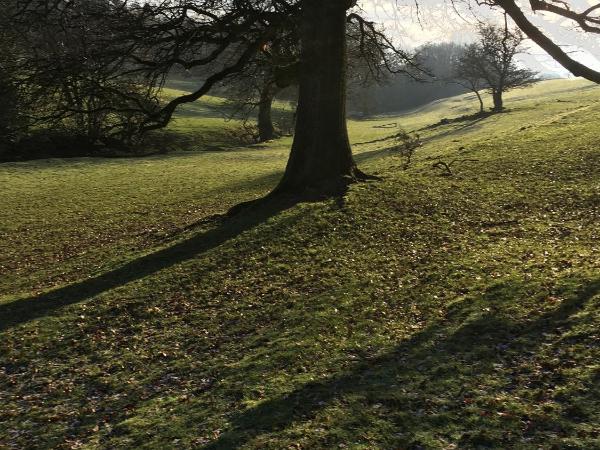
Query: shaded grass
{"points": [[439, 364], [417, 312], [26, 309]]}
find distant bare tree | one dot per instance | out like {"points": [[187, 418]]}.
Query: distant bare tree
{"points": [[491, 63], [466, 73]]}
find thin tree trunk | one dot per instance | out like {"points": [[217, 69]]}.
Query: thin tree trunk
{"points": [[321, 159], [481, 107], [266, 130]]}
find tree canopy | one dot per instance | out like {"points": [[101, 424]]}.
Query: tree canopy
{"points": [[491, 63]]}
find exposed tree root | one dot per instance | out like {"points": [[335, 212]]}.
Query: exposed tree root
{"points": [[286, 196]]}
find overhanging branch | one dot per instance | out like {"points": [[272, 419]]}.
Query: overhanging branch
{"points": [[547, 44]]}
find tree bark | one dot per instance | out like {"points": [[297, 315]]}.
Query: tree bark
{"points": [[498, 102], [321, 159], [266, 130]]}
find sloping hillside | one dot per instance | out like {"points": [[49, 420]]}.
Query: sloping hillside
{"points": [[423, 311]]}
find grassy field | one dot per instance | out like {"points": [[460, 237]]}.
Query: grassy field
{"points": [[214, 123], [419, 312]]}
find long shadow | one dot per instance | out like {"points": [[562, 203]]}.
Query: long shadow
{"points": [[26, 309], [471, 120], [373, 154], [466, 126], [374, 376], [374, 141]]}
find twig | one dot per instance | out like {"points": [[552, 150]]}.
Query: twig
{"points": [[446, 167]]}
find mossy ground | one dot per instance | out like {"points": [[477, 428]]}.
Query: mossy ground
{"points": [[418, 312]]}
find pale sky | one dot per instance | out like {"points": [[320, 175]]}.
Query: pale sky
{"points": [[442, 21]]}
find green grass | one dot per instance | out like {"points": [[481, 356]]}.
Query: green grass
{"points": [[417, 312], [213, 122]]}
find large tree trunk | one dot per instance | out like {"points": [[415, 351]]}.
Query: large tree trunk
{"points": [[321, 158], [498, 102], [266, 130]]}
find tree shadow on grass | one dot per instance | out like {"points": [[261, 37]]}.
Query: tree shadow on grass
{"points": [[25, 309], [469, 118], [470, 121], [362, 158], [444, 361]]}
